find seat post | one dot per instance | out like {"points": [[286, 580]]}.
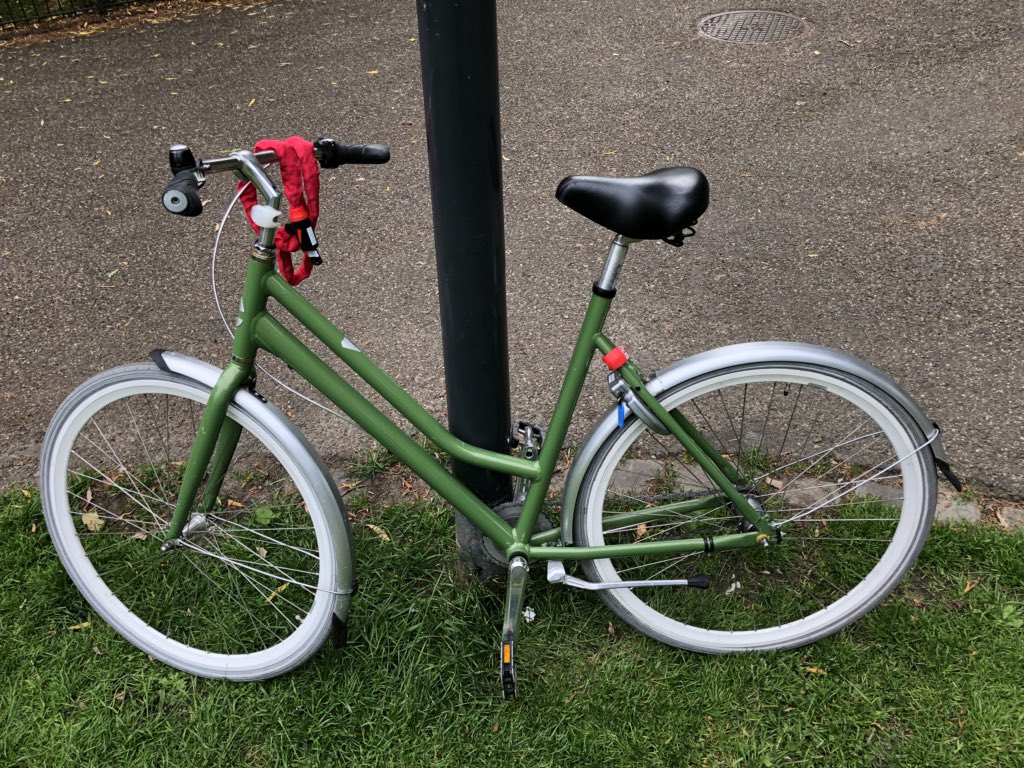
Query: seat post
{"points": [[616, 256]]}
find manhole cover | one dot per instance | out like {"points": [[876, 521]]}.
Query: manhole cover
{"points": [[751, 27]]}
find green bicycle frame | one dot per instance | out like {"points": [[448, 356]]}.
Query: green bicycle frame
{"points": [[256, 329]]}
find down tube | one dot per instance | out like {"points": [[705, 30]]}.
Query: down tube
{"points": [[277, 340]]}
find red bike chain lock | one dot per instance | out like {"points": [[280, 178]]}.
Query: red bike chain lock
{"points": [[300, 176]]}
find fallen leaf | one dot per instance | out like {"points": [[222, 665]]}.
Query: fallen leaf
{"points": [[971, 585], [263, 516], [92, 521], [251, 102], [97, 162], [815, 670], [495, 728], [33, 527], [26, 493], [234, 504], [611, 629], [379, 531], [140, 536], [83, 625], [277, 592], [641, 531]]}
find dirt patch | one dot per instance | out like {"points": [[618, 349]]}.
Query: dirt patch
{"points": [[123, 17]]}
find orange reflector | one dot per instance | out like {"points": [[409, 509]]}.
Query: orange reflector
{"points": [[506, 653]]}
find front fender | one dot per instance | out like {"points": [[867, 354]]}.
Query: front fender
{"points": [[753, 353], [286, 431]]}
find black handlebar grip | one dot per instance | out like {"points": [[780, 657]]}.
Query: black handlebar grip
{"points": [[366, 154], [333, 153], [181, 196]]}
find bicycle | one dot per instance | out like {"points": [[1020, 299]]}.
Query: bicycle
{"points": [[755, 497]]}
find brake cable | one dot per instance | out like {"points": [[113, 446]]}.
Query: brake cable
{"points": [[230, 330]]}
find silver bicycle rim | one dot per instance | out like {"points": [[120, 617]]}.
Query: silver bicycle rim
{"points": [[908, 537], [89, 400]]}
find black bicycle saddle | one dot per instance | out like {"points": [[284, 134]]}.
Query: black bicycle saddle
{"points": [[649, 207]]}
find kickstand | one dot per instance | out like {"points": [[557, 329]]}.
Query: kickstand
{"points": [[517, 572]]}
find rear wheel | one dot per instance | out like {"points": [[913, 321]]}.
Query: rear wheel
{"points": [[833, 461], [250, 590]]}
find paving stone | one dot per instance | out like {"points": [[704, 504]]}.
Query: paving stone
{"points": [[1011, 517], [883, 492], [634, 475], [957, 511]]}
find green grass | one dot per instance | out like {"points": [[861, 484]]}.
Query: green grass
{"points": [[372, 462], [930, 678]]}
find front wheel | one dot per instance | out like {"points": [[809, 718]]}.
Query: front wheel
{"points": [[250, 588], [834, 462]]}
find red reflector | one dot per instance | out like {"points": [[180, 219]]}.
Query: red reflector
{"points": [[615, 359]]}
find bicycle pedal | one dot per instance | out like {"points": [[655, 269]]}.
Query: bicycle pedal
{"points": [[529, 436], [508, 670]]}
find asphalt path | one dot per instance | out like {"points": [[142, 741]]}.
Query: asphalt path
{"points": [[867, 194]]}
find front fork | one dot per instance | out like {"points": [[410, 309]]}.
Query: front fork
{"points": [[213, 449]]}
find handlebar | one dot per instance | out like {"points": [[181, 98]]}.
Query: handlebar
{"points": [[181, 196]]}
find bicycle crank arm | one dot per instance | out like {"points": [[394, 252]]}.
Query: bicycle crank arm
{"points": [[517, 573], [557, 575]]}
